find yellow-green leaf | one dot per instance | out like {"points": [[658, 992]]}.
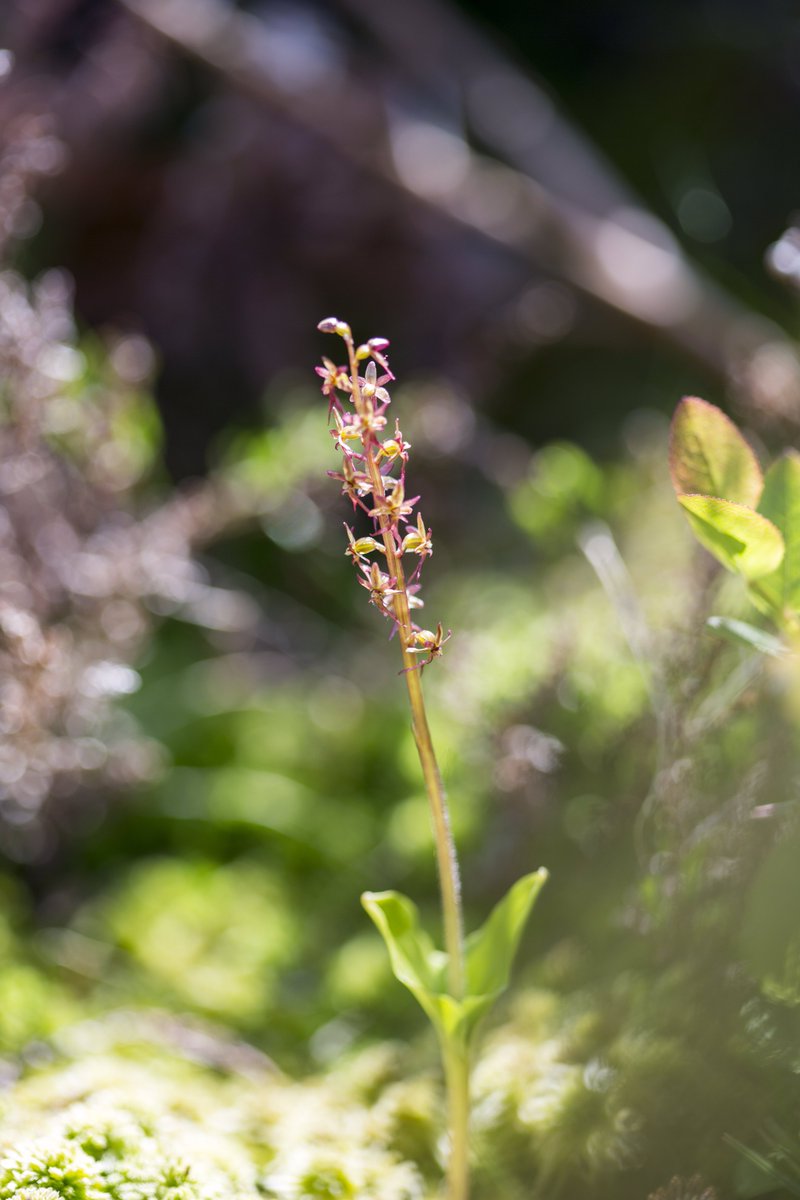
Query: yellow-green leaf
{"points": [[709, 457], [780, 503], [489, 954], [490, 950], [744, 541]]}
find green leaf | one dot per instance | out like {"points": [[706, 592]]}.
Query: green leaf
{"points": [[491, 949], [744, 541], [750, 635], [780, 503], [489, 954], [415, 961], [709, 457]]}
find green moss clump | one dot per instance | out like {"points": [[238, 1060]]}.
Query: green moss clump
{"points": [[121, 1119]]}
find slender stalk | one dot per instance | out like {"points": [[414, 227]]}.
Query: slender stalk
{"points": [[456, 1068], [455, 1056], [449, 878]]}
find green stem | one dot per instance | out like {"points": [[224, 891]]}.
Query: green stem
{"points": [[449, 876], [447, 861], [456, 1066], [456, 1060]]}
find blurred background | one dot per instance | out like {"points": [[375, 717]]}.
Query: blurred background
{"points": [[563, 218]]}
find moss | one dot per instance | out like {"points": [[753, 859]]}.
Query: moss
{"points": [[131, 1121]]}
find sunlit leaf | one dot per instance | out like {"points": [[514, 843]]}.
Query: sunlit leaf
{"points": [[780, 503], [709, 457], [491, 949], [750, 635], [744, 541], [415, 961], [489, 954]]}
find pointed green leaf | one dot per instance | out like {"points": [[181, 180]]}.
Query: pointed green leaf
{"points": [[491, 949], [709, 457], [750, 635], [743, 541], [415, 961], [780, 503], [489, 954]]}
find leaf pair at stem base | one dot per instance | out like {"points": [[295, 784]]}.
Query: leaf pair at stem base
{"points": [[489, 955]]}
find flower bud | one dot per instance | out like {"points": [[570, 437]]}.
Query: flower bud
{"points": [[363, 545], [334, 325], [425, 638], [417, 539], [413, 542], [366, 545]]}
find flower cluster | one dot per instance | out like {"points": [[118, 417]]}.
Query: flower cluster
{"points": [[373, 477]]}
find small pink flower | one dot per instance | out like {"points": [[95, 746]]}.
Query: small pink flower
{"points": [[379, 586], [334, 325], [346, 428], [394, 505], [333, 378], [372, 388], [355, 484], [423, 641], [374, 348], [394, 448]]}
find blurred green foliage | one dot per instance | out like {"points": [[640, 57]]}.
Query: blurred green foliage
{"points": [[586, 719], [174, 925]]}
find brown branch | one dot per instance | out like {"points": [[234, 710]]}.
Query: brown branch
{"points": [[630, 264]]}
